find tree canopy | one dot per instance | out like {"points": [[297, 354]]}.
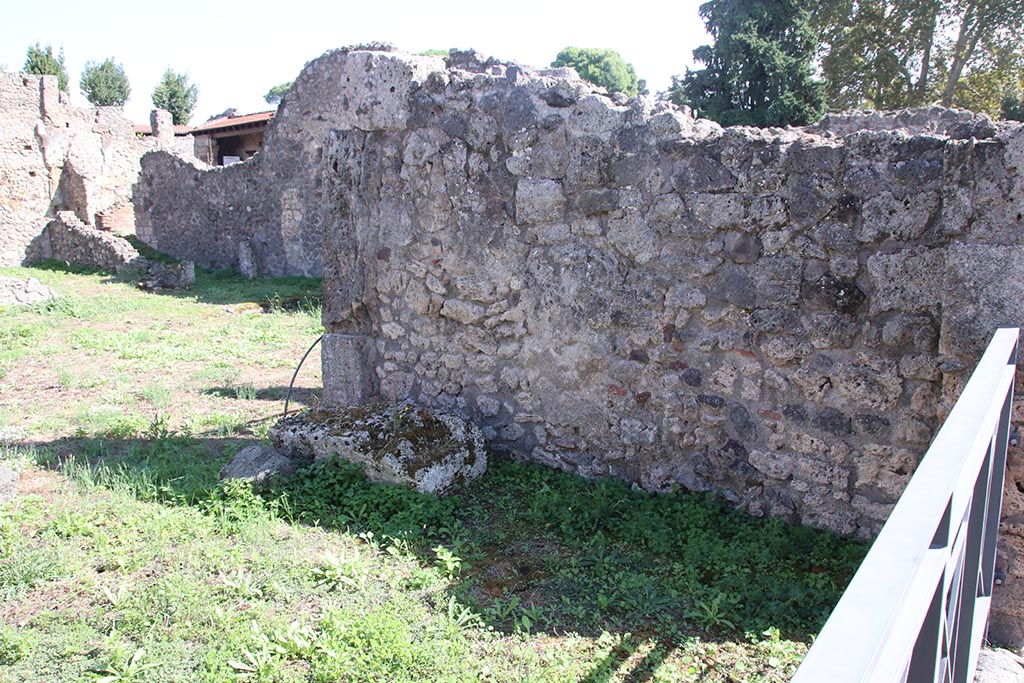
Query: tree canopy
{"points": [[105, 84], [175, 94], [602, 67], [759, 70], [41, 62], [870, 54], [276, 94], [889, 54]]}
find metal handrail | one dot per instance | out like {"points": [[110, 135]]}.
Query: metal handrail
{"points": [[917, 608]]}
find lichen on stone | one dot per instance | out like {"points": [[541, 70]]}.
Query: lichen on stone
{"points": [[394, 442]]}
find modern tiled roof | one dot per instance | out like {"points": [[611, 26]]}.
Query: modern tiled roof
{"points": [[247, 121]]}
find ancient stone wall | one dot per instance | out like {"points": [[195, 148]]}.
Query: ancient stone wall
{"points": [[54, 156], [71, 240], [67, 238], [264, 215], [615, 288], [25, 181]]}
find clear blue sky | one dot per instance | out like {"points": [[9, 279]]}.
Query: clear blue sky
{"points": [[235, 51]]}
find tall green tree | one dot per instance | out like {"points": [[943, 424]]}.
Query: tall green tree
{"points": [[41, 62], [996, 73], [601, 66], [175, 94], [759, 70], [1012, 108], [888, 54], [276, 94], [105, 84]]}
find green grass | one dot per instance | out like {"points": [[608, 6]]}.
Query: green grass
{"points": [[126, 559], [105, 350], [216, 582]]}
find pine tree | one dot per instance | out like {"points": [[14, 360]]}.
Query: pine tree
{"points": [[601, 66], [277, 93], [105, 84], [759, 70], [174, 94], [41, 62]]}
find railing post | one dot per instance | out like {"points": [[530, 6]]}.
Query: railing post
{"points": [[917, 608]]}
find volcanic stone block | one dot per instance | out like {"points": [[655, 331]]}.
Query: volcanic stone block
{"points": [[425, 449]]}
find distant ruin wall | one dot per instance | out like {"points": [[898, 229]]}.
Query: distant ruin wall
{"points": [[267, 211], [54, 156], [615, 288], [26, 184]]}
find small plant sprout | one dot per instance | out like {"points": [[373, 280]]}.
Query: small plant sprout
{"points": [[448, 561], [347, 569], [457, 619], [130, 672]]}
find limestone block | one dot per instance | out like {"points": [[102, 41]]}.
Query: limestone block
{"points": [[594, 202], [539, 201], [428, 450], [464, 312], [999, 666], [735, 285], [904, 219], [831, 331], [742, 247], [868, 381], [670, 125], [906, 280], [821, 473], [983, 290], [347, 361], [596, 115], [882, 471], [717, 211], [15, 292], [156, 275], [776, 279], [685, 295], [632, 236], [697, 173], [257, 463], [775, 464]]}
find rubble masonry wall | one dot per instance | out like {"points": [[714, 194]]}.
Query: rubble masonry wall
{"points": [[615, 288], [54, 156]]}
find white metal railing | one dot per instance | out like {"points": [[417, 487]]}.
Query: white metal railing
{"points": [[917, 608]]}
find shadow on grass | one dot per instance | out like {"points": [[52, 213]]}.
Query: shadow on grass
{"points": [[633, 670], [227, 287], [530, 549], [68, 268], [301, 396], [222, 287]]}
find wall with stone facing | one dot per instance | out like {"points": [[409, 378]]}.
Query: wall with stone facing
{"points": [[26, 184], [264, 215], [67, 238], [613, 287], [54, 156]]}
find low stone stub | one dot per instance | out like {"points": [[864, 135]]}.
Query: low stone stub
{"points": [[347, 369], [16, 292], [162, 124], [427, 450]]}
